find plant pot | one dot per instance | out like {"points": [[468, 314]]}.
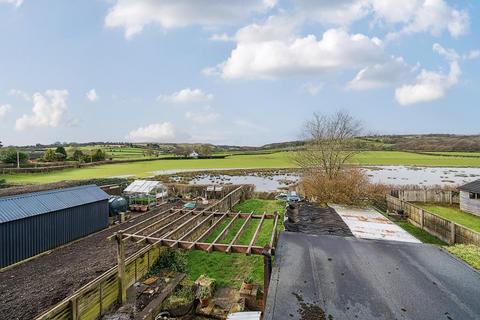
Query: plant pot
{"points": [[204, 302]]}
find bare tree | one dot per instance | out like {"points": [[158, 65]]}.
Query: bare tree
{"points": [[329, 141]]}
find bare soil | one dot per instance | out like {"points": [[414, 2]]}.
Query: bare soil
{"points": [[34, 286]]}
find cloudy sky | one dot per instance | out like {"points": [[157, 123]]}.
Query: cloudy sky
{"points": [[234, 71]]}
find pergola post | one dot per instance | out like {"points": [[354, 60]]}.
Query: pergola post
{"points": [[267, 272], [122, 283]]}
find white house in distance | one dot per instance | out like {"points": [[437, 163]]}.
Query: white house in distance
{"points": [[470, 197], [194, 155]]}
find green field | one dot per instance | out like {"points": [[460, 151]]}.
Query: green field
{"points": [[453, 213], [230, 269], [271, 160]]}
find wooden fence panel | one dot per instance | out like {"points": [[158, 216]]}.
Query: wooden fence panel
{"points": [[437, 226], [428, 195]]}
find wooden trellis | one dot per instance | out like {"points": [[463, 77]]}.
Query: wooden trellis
{"points": [[189, 229]]}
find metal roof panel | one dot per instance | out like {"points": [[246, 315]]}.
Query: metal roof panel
{"points": [[32, 204]]}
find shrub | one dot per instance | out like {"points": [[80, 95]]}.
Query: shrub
{"points": [[61, 150], [9, 155], [170, 259], [350, 186], [50, 155], [77, 155], [98, 155]]}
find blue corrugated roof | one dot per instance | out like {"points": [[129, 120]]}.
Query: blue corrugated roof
{"points": [[32, 204]]}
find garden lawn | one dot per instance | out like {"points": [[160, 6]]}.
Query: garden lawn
{"points": [[251, 161], [469, 253], [231, 269], [420, 234], [453, 213]]}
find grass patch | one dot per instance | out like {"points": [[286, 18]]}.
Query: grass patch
{"points": [[265, 160], [453, 213], [468, 253], [229, 270], [420, 234]]}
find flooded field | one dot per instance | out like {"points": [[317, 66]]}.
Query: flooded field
{"points": [[395, 175]]}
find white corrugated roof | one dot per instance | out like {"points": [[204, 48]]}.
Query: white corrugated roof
{"points": [[142, 186]]}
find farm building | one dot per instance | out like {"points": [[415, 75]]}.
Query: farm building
{"points": [[36, 222], [470, 197]]}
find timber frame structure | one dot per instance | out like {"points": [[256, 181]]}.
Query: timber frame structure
{"points": [[189, 229]]}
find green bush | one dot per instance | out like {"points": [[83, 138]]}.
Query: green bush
{"points": [[61, 150], [50, 155], [170, 259], [9, 155], [77, 155]]}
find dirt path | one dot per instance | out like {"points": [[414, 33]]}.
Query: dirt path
{"points": [[34, 286]]}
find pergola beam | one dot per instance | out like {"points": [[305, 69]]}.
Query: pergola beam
{"points": [[255, 235], [209, 230], [223, 233], [239, 233]]}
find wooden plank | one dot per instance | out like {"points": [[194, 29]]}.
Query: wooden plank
{"points": [[273, 238], [141, 223], [223, 233], [180, 227], [163, 227], [239, 233], [255, 235], [201, 224], [154, 223], [154, 307], [208, 231], [122, 296]]}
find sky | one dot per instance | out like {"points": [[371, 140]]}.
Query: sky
{"points": [[243, 72]]}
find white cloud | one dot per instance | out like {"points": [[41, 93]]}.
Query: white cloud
{"points": [[312, 88], [48, 110], [472, 55], [16, 3], [133, 16], [223, 37], [19, 93], [202, 117], [381, 75], [273, 50], [153, 132], [92, 95], [429, 86], [186, 95], [4, 109], [411, 16]]}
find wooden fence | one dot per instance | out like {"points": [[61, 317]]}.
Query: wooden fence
{"points": [[100, 295], [427, 195], [444, 229]]}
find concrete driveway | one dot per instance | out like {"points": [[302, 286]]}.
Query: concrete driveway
{"points": [[367, 223]]}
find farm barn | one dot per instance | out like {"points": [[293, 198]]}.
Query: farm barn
{"points": [[36, 222], [470, 197]]}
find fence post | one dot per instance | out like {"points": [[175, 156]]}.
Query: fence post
{"points": [[425, 195], [74, 308], [451, 197], [452, 233], [122, 282], [422, 215]]}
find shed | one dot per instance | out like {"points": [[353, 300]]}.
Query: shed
{"points": [[32, 223], [194, 155], [470, 197]]}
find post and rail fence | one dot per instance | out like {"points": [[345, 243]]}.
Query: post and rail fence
{"points": [[446, 230]]}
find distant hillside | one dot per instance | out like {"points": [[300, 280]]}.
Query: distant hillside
{"points": [[420, 143]]}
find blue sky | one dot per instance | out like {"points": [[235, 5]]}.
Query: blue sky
{"points": [[234, 72]]}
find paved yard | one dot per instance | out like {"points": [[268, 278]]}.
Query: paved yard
{"points": [[368, 223]]}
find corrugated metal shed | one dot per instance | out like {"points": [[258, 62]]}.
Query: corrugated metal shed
{"points": [[33, 223], [330, 277], [142, 186], [473, 186], [32, 204]]}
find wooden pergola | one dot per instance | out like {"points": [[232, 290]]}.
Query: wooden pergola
{"points": [[189, 229]]}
